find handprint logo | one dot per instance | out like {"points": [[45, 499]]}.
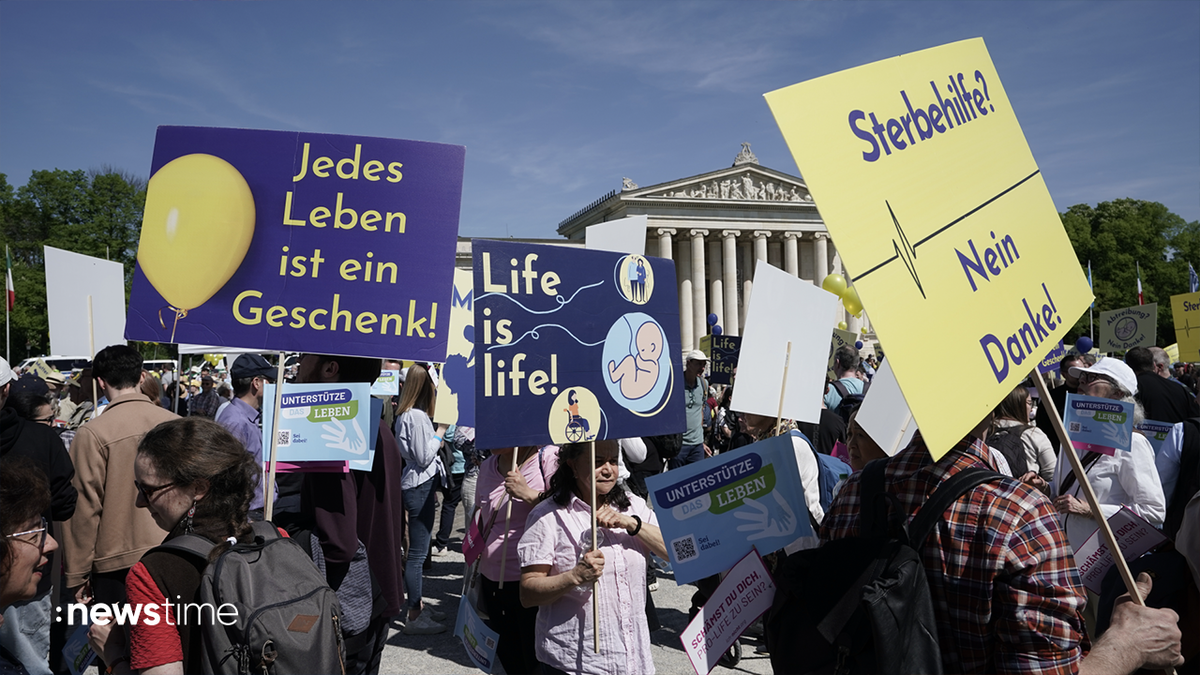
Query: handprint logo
{"points": [[763, 521], [340, 439]]}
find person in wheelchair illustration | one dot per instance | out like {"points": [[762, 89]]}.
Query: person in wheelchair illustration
{"points": [[577, 426]]}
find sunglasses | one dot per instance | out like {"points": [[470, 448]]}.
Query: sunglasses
{"points": [[42, 531], [1087, 378], [148, 492]]}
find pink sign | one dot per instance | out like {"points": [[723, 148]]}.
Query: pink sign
{"points": [[1134, 536], [745, 594]]}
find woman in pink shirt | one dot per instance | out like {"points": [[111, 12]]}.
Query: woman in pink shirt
{"points": [[558, 567], [498, 486]]}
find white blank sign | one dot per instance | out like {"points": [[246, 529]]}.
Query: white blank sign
{"points": [[70, 279], [627, 235], [783, 309], [884, 413]]}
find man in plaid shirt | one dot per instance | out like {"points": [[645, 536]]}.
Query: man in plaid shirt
{"points": [[1002, 577], [207, 401]]}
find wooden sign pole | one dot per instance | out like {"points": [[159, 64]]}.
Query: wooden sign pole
{"points": [[507, 520], [787, 361], [1081, 477], [268, 508], [595, 545]]}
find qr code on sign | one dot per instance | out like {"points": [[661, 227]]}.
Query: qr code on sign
{"points": [[491, 644], [284, 439], [685, 549], [1075, 427]]}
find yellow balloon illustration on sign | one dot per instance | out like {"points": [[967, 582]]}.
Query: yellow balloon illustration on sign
{"points": [[192, 201]]}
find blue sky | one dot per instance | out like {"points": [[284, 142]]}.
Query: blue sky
{"points": [[556, 102]]}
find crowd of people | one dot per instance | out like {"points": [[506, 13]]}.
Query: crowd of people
{"points": [[105, 481]]}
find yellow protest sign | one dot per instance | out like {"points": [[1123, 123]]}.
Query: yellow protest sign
{"points": [[1185, 308], [42, 369], [941, 216], [456, 394], [841, 338], [706, 345], [1123, 329]]}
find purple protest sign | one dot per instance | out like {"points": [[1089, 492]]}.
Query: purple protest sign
{"points": [[298, 242], [1050, 361]]}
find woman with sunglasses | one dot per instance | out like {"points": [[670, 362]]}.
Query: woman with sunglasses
{"points": [[27, 544], [193, 476]]}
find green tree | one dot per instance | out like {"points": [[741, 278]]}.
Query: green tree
{"points": [[1119, 236], [95, 213]]}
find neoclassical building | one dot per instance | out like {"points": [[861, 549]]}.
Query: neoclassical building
{"points": [[716, 227]]}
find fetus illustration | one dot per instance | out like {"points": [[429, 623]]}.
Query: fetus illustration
{"points": [[638, 372]]}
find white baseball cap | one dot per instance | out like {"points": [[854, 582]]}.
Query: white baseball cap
{"points": [[6, 373], [1113, 368], [695, 355]]}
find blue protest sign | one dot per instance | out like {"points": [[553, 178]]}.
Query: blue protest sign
{"points": [[713, 512], [1098, 424], [321, 422], [1050, 361], [289, 241], [479, 640], [387, 384], [1155, 432], [724, 358], [574, 345]]}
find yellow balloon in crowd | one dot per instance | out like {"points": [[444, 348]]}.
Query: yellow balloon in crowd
{"points": [[842, 325], [214, 359], [193, 202], [835, 283], [863, 330], [851, 302]]}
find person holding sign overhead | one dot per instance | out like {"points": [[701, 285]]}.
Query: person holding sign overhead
{"points": [[559, 569]]}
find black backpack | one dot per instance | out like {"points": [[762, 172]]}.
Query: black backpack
{"points": [[1188, 483], [850, 402], [862, 604], [284, 619], [1007, 441]]}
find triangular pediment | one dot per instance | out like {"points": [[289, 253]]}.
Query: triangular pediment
{"points": [[745, 183]]}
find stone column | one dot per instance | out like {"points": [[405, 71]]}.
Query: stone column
{"points": [[820, 257], [732, 325], [760, 245], [699, 290], [684, 270], [716, 283], [664, 242], [747, 281], [791, 253]]}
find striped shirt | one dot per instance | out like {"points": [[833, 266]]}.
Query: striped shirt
{"points": [[1005, 589]]}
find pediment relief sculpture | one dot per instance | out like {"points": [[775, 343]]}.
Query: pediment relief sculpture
{"points": [[740, 188]]}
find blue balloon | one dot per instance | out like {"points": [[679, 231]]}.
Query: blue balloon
{"points": [[858, 345], [712, 319], [717, 330], [1083, 345]]}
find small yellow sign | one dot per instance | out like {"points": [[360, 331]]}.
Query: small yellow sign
{"points": [[941, 216], [456, 393], [1185, 308]]}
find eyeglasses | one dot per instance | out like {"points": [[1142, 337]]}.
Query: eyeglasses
{"points": [[148, 492], [44, 420], [41, 543], [1087, 378]]}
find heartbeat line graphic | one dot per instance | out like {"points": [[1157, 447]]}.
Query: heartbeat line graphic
{"points": [[907, 253]]}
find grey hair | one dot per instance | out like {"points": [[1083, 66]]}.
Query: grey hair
{"points": [[1139, 413], [1160, 357]]}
